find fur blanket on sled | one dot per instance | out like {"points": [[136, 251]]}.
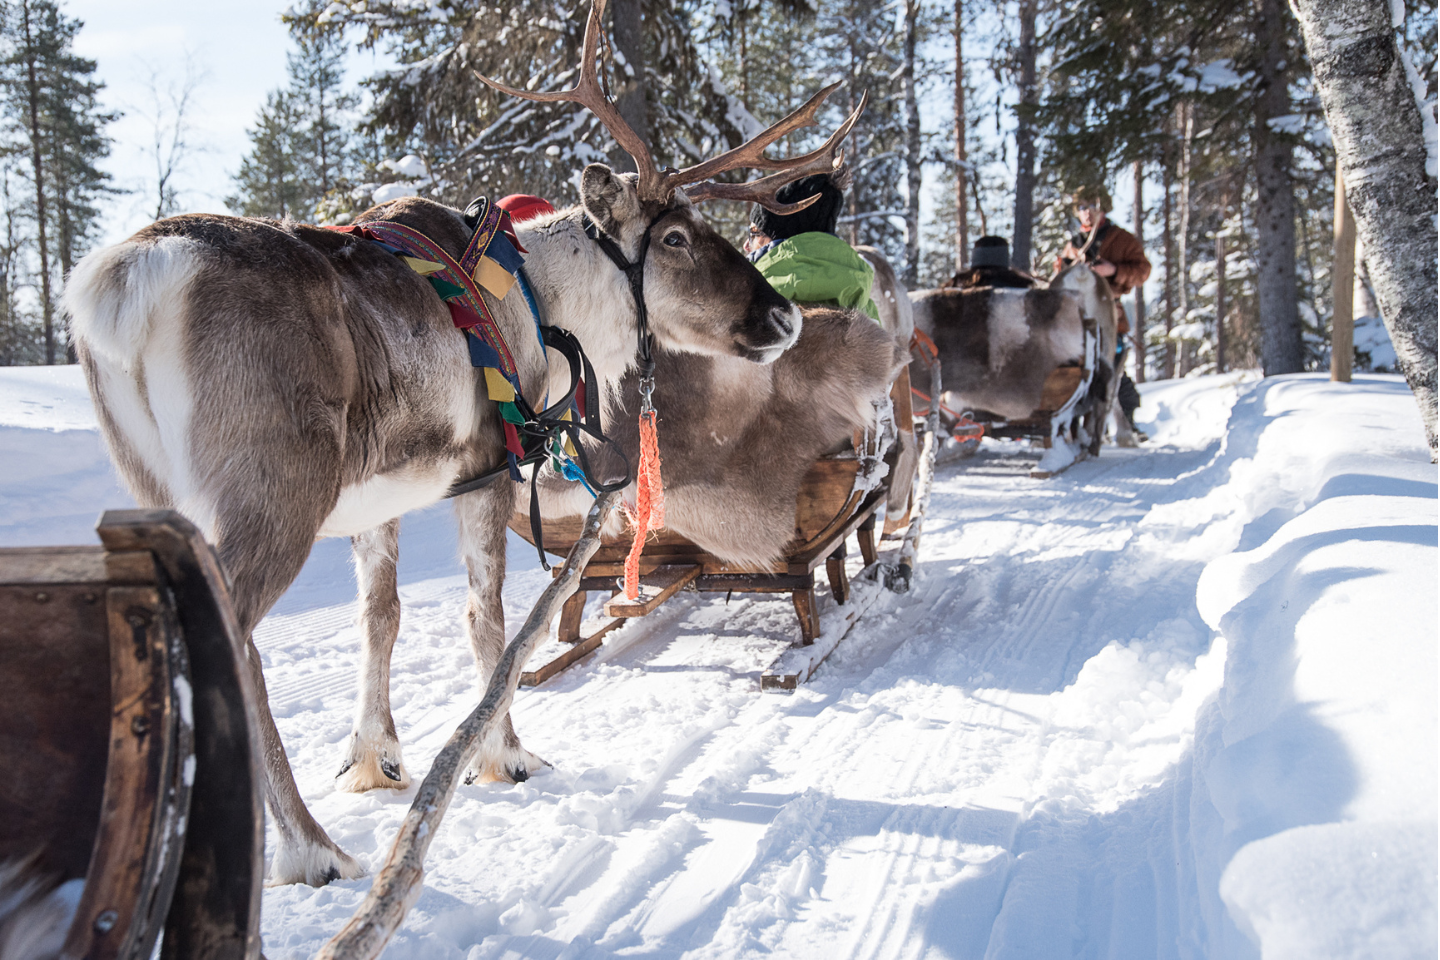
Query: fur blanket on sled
{"points": [[736, 437]]}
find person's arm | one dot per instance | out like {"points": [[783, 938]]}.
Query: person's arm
{"points": [[1132, 268]]}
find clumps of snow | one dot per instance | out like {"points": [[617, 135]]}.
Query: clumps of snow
{"points": [[1061, 454], [407, 166], [1292, 124], [1194, 330]]}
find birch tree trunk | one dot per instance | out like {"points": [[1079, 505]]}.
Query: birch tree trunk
{"points": [[1220, 305], [1282, 349], [910, 275], [1166, 187], [1182, 365], [1025, 140], [1379, 135]]}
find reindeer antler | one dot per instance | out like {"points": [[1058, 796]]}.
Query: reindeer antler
{"points": [[827, 159], [660, 186]]}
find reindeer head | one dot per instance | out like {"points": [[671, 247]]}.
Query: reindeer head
{"points": [[703, 296]]}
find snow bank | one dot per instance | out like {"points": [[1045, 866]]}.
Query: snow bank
{"points": [[1313, 806]]}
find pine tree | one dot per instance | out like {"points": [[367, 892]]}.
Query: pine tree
{"points": [[475, 140], [54, 120], [301, 145], [270, 180]]}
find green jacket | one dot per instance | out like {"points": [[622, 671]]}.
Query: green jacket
{"points": [[819, 268]]}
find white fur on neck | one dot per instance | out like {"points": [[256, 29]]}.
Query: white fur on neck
{"points": [[582, 292]]}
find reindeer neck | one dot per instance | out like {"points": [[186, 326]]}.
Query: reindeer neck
{"points": [[582, 291]]}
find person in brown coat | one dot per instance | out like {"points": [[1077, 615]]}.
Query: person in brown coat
{"points": [[1115, 254]]}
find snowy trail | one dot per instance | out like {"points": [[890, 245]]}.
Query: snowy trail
{"points": [[1176, 702], [688, 813]]}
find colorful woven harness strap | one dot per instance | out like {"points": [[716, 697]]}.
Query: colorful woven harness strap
{"points": [[492, 260]]}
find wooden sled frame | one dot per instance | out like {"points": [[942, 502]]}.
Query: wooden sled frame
{"points": [[122, 674], [828, 512]]}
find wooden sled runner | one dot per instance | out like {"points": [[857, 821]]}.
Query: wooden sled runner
{"points": [[828, 511], [126, 714]]}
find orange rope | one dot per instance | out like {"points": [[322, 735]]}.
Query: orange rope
{"points": [[649, 501], [919, 341]]}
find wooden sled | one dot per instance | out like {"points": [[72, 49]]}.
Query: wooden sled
{"points": [[828, 511], [1022, 363], [127, 717]]}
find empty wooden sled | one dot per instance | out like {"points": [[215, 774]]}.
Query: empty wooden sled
{"points": [[127, 719]]}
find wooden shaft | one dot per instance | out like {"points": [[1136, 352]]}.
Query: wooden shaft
{"points": [[398, 884], [1137, 338], [1220, 305], [910, 546], [1342, 287]]}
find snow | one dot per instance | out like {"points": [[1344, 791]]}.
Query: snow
{"points": [[393, 191], [1372, 338], [407, 166], [1176, 702]]}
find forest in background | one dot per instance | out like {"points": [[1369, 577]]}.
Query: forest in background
{"points": [[1205, 109]]}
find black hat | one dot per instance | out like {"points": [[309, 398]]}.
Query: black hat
{"points": [[819, 217], [991, 252]]}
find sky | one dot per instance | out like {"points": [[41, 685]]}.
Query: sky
{"points": [[238, 50]]}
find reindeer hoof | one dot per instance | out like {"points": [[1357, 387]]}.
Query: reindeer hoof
{"points": [[372, 766], [316, 863]]}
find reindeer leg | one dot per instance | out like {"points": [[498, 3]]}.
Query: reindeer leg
{"points": [[372, 760], [305, 853], [263, 540], [483, 515]]}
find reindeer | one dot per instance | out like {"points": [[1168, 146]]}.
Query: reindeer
{"points": [[278, 382]]}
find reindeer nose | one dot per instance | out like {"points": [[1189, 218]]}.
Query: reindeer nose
{"points": [[784, 320]]}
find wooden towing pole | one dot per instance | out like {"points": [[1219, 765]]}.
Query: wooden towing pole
{"points": [[399, 882], [897, 578]]}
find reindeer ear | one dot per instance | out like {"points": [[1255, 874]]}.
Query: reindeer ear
{"points": [[609, 198]]}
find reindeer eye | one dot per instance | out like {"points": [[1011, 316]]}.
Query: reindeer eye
{"points": [[674, 239]]}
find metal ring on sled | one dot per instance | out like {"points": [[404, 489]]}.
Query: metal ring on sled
{"points": [[127, 720]]}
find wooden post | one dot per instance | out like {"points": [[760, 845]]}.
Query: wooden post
{"points": [[1137, 337], [1220, 302], [1342, 287]]}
